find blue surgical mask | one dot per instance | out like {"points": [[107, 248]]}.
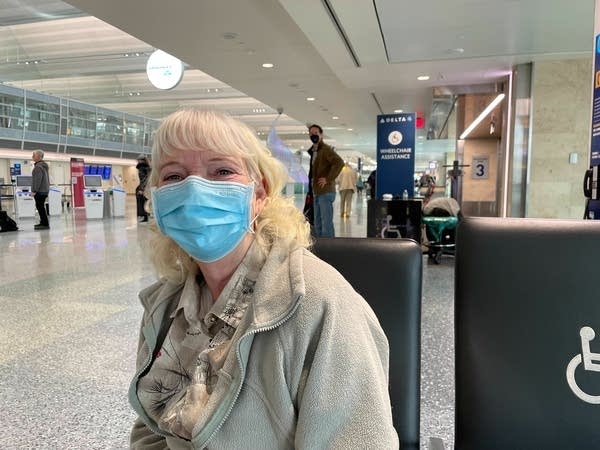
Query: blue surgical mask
{"points": [[207, 219]]}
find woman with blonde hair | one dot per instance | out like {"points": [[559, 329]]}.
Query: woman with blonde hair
{"points": [[248, 340]]}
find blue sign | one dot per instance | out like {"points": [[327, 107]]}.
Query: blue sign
{"points": [[395, 154], [595, 141]]}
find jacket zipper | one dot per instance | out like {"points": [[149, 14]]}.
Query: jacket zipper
{"points": [[143, 419], [243, 367]]}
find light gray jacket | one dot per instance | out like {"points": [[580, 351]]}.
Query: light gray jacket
{"points": [[311, 371]]}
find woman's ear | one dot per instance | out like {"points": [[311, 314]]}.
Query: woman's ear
{"points": [[260, 196]]}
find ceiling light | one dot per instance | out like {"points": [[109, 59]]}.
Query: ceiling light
{"points": [[335, 117], [267, 65], [310, 99], [482, 116], [398, 110], [423, 77], [349, 129]]}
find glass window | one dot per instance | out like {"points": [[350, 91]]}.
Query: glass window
{"points": [[12, 110], [42, 117], [82, 123], [134, 133], [149, 131], [109, 128]]}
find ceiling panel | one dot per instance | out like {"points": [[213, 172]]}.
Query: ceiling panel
{"points": [[484, 28], [82, 57]]}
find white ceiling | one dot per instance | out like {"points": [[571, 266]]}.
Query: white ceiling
{"points": [[357, 58]]}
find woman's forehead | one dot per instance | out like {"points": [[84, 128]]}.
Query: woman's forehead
{"points": [[198, 156]]}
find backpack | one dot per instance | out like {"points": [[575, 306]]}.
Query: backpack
{"points": [[6, 223]]}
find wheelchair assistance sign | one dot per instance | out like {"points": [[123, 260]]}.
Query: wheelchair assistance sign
{"points": [[395, 154]]}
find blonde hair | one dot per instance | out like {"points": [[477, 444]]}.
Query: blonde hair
{"points": [[197, 130]]}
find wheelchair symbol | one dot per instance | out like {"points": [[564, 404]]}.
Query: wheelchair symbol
{"points": [[389, 228], [590, 362]]}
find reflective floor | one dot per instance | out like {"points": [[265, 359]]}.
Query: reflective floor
{"points": [[70, 319]]}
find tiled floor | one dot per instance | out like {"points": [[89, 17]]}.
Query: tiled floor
{"points": [[70, 319]]}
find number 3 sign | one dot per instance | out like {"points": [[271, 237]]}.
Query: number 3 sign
{"points": [[480, 168]]}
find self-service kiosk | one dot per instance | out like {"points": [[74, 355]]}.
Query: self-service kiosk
{"points": [[93, 196], [118, 201], [55, 201], [25, 203]]}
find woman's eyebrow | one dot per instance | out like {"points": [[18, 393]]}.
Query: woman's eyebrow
{"points": [[168, 163], [222, 158]]}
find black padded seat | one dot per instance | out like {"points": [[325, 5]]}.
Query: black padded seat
{"points": [[388, 274], [527, 296]]}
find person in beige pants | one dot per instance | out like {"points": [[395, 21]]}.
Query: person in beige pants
{"points": [[347, 186]]}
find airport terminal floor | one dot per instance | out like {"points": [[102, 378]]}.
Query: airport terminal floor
{"points": [[70, 320]]}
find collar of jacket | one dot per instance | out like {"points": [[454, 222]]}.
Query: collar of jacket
{"points": [[280, 285]]}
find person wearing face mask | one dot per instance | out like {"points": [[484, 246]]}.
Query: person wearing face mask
{"points": [[326, 166], [247, 340]]}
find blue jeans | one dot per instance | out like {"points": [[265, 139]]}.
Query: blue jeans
{"points": [[324, 214]]}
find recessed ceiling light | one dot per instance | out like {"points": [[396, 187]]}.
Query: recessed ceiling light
{"points": [[398, 110], [310, 99], [267, 65], [423, 77], [335, 117], [349, 129]]}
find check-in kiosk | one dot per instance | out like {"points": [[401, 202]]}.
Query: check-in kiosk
{"points": [[93, 196], [24, 201], [118, 201], [55, 201]]}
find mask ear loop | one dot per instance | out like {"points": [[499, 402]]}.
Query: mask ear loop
{"points": [[251, 228]]}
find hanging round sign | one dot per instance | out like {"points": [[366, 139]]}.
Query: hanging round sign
{"points": [[163, 70]]}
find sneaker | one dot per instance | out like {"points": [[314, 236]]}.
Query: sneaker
{"points": [[41, 227]]}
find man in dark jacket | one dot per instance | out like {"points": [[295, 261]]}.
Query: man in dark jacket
{"points": [[326, 166], [40, 185]]}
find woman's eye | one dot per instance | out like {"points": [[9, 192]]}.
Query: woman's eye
{"points": [[172, 178], [224, 172]]}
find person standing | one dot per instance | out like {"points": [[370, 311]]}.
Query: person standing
{"points": [[143, 168], [40, 186], [360, 185], [326, 166], [347, 180], [372, 182]]}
